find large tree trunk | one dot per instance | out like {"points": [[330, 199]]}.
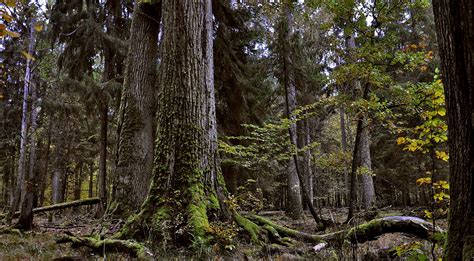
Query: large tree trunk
{"points": [[294, 207], [183, 191], [455, 30], [137, 110]]}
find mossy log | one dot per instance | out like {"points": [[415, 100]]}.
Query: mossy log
{"points": [[75, 203], [361, 233], [131, 247]]}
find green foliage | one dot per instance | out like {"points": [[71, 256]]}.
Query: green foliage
{"points": [[411, 251]]}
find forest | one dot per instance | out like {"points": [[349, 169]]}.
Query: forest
{"points": [[237, 129]]}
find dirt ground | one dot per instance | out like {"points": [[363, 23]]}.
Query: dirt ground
{"points": [[40, 244]]}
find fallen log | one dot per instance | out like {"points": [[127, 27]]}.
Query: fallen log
{"points": [[75, 203], [131, 247]]}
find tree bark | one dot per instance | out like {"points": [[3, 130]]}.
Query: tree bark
{"points": [[294, 207], [367, 182], [183, 193], [356, 160], [102, 177], [455, 31], [17, 195], [41, 180], [29, 188], [137, 110]]}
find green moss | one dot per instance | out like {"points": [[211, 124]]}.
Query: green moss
{"points": [[253, 229], [160, 215], [284, 231], [213, 202]]}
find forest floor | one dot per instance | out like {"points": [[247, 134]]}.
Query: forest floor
{"points": [[40, 244]]}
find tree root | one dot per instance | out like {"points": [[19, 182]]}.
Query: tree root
{"points": [[131, 247], [359, 234]]}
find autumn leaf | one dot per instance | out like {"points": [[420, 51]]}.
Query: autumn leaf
{"points": [[27, 55], [38, 27]]}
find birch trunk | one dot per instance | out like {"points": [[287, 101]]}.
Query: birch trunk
{"points": [[17, 195]]}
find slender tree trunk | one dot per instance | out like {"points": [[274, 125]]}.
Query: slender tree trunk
{"points": [[102, 178], [295, 206], [91, 180], [137, 110], [367, 182], [342, 118], [25, 220], [24, 127], [455, 29], [45, 174], [356, 160], [78, 183]]}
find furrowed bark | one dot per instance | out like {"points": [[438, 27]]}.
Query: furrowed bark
{"points": [[137, 111]]}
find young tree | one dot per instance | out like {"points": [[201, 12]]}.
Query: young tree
{"points": [[22, 186], [455, 29]]}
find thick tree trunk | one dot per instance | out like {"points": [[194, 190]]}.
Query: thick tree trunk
{"points": [[183, 193], [17, 195], [294, 206], [367, 182], [455, 29], [137, 110]]}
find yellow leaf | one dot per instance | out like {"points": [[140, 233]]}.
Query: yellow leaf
{"points": [[38, 27], [12, 34], [428, 214], [442, 112], [10, 3], [401, 140], [8, 18], [442, 155], [27, 55], [422, 181]]}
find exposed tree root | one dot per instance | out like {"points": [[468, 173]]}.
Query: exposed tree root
{"points": [[264, 232], [131, 247], [361, 233]]}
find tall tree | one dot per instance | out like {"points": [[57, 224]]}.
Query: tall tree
{"points": [[137, 110], [294, 206], [455, 29], [21, 176], [185, 185]]}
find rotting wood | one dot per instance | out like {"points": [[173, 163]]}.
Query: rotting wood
{"points": [[362, 233], [135, 249], [75, 203]]}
